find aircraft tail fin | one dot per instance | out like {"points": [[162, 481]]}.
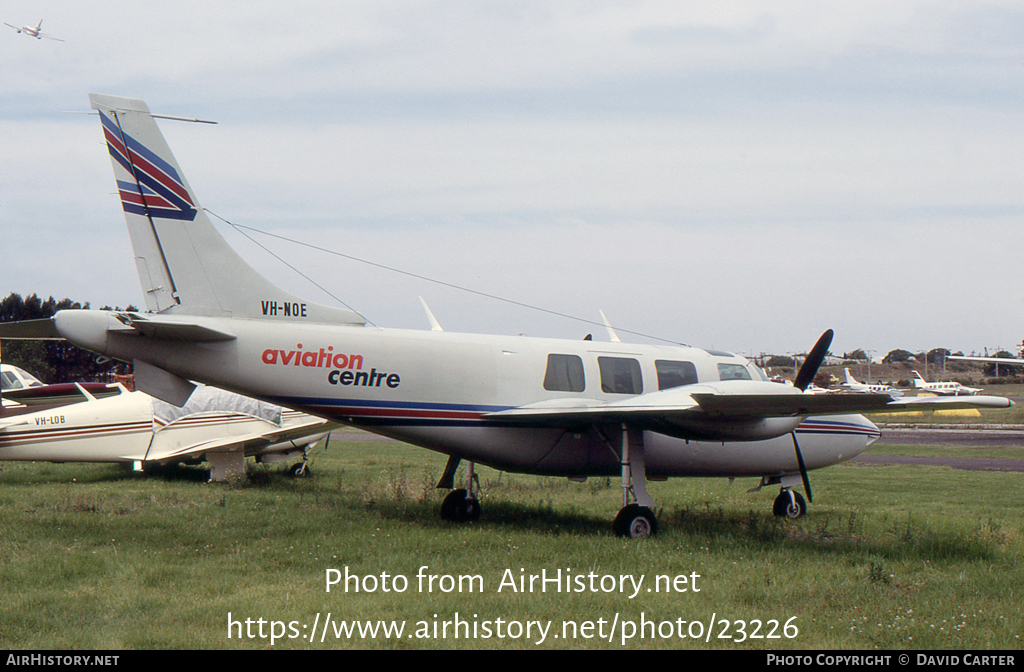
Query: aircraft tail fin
{"points": [[185, 266], [918, 380], [849, 379]]}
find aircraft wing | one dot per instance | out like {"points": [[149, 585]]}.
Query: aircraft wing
{"points": [[695, 409], [248, 442], [993, 360]]}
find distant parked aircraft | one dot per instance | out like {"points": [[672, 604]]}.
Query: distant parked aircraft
{"points": [[852, 385], [946, 389]]}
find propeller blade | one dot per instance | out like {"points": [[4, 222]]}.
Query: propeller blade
{"points": [[814, 359], [803, 469]]}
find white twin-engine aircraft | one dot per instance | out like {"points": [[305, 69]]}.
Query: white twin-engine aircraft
{"points": [[946, 388], [853, 385], [520, 404]]}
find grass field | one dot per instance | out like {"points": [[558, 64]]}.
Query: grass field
{"points": [[888, 557]]}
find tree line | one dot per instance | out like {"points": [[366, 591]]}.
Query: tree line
{"points": [[54, 361]]}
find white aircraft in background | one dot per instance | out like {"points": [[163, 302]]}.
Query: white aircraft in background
{"points": [[15, 378], [852, 385], [946, 389], [36, 32], [574, 408], [20, 387], [215, 426]]}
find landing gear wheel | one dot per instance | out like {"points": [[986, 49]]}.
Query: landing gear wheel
{"points": [[468, 510], [635, 521], [301, 470], [789, 504], [459, 507], [452, 501]]}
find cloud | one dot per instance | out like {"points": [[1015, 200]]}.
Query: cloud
{"points": [[733, 175]]}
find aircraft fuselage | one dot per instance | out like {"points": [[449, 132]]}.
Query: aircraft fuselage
{"points": [[436, 389]]}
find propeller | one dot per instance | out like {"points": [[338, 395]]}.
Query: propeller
{"points": [[813, 361], [803, 379]]}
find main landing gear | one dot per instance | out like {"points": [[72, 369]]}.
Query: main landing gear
{"points": [[637, 519], [461, 505]]}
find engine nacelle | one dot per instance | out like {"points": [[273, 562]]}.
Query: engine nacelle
{"points": [[730, 429]]}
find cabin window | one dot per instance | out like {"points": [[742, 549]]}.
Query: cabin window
{"points": [[564, 374], [733, 372], [673, 374], [620, 375], [9, 381]]}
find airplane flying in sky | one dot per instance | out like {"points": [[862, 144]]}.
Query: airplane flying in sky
{"points": [[852, 385], [520, 404], [36, 32], [214, 426], [946, 389]]}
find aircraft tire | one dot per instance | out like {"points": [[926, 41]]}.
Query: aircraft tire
{"points": [[784, 507], [468, 510], [298, 472], [636, 522], [453, 501]]}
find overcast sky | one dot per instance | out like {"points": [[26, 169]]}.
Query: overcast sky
{"points": [[735, 175]]}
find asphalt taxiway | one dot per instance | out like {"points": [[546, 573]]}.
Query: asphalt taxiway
{"points": [[981, 437]]}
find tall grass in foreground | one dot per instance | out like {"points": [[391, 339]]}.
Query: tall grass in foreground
{"points": [[888, 557]]}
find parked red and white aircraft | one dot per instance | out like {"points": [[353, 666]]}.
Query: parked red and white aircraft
{"points": [[520, 404], [218, 427], [946, 389], [20, 387], [36, 31]]}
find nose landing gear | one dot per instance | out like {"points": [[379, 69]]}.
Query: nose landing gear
{"points": [[789, 504]]}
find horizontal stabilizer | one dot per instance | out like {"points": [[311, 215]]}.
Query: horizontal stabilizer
{"points": [[35, 330], [175, 330]]}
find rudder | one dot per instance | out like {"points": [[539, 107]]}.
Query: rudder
{"points": [[185, 266]]}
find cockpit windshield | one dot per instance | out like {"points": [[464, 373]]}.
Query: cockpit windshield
{"points": [[13, 378]]}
